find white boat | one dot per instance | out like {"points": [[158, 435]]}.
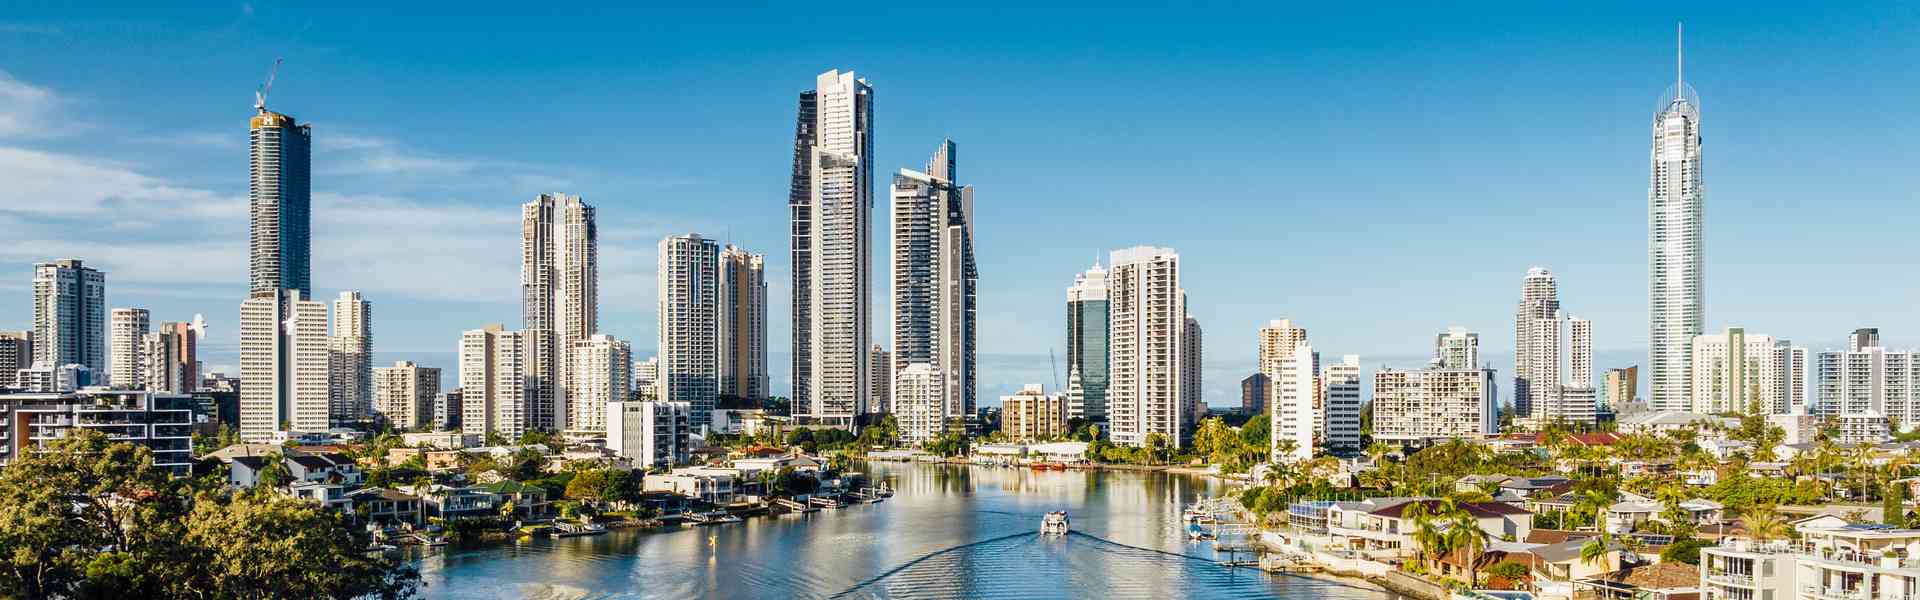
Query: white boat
{"points": [[1055, 523]]}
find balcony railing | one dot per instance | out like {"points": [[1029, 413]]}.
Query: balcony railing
{"points": [[1731, 578], [1833, 593]]}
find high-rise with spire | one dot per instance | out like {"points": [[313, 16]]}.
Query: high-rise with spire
{"points": [[833, 258], [1676, 269], [1087, 345]]}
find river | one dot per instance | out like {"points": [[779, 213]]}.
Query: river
{"points": [[948, 532]]}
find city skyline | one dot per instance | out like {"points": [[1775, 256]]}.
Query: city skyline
{"points": [[1021, 313]]}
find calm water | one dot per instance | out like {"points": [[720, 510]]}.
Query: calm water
{"points": [[948, 532]]}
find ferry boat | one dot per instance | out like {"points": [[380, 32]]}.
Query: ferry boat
{"points": [[576, 530], [1055, 523]]}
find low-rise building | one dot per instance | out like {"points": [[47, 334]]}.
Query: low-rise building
{"points": [[161, 422], [387, 506], [1424, 406], [706, 484], [650, 433], [1033, 415]]}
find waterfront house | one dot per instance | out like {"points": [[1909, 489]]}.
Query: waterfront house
{"points": [[1662, 581], [386, 506], [1555, 567], [1382, 531], [711, 485], [749, 468], [1833, 560], [1624, 517], [529, 501], [454, 503]]}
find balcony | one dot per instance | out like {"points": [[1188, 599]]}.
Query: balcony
{"points": [[1833, 593], [1740, 579]]}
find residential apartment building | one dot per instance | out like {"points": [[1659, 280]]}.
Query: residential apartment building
{"points": [[163, 363], [161, 422], [351, 359], [832, 249], [600, 365], [1192, 390], [1296, 418], [1831, 560], [1868, 377], [1537, 339], [1033, 415], [1739, 372], [559, 297], [69, 315], [284, 368], [1457, 348], [1434, 404], [689, 273], [1340, 384], [1087, 338], [1146, 343], [1622, 388], [126, 327], [1255, 389], [934, 275], [918, 408], [651, 434], [16, 353], [880, 381], [496, 383], [646, 377], [404, 394], [742, 315]]}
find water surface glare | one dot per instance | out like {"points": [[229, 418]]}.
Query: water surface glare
{"points": [[948, 532]]}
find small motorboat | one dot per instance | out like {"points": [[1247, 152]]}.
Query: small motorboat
{"points": [[1196, 532], [1055, 523]]}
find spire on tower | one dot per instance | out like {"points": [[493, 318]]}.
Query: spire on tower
{"points": [[1679, 59]]}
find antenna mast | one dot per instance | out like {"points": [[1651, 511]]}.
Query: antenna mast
{"points": [[1680, 60]]}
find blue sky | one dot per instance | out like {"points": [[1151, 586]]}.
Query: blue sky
{"points": [[1377, 173]]}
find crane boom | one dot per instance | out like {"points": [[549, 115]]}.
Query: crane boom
{"points": [[260, 95]]}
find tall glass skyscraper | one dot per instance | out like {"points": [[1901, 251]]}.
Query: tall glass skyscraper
{"points": [[1087, 344], [280, 189], [1676, 296], [833, 253], [934, 280]]}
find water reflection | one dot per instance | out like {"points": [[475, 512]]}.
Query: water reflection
{"points": [[949, 531]]}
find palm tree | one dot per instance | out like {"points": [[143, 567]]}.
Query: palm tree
{"points": [[1464, 533], [1592, 504], [1764, 524], [1377, 451], [1426, 533], [1596, 549]]}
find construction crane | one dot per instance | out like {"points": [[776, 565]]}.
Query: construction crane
{"points": [[1056, 370], [260, 95]]}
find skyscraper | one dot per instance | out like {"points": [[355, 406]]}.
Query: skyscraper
{"points": [[284, 375], [280, 199], [1192, 389], [351, 396], [1254, 391], [128, 327], [1087, 345], [16, 353], [1537, 340], [838, 253], [559, 296], [1294, 415], [689, 273], [1147, 322], [1676, 249], [743, 324], [405, 394], [69, 315], [186, 346], [601, 376], [800, 205], [880, 381], [934, 275], [1340, 382], [162, 366], [495, 381]]}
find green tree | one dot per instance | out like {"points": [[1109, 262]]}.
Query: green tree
{"points": [[276, 547], [1464, 533]]}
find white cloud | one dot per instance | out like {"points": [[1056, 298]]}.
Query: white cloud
{"points": [[51, 184], [25, 109]]}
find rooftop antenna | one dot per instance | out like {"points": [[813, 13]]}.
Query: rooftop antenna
{"points": [[260, 95], [1679, 60]]}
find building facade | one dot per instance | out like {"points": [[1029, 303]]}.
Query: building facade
{"points": [[162, 367], [1296, 417], [1623, 388], [743, 325], [404, 394], [1537, 338], [918, 408], [880, 379], [651, 434], [1739, 372], [1868, 378], [69, 315], [1676, 248], [838, 253], [1340, 382], [1457, 348], [600, 376], [163, 423], [16, 353], [559, 296], [127, 366], [1255, 389], [352, 358], [1033, 415], [1087, 344], [280, 193], [284, 369], [689, 314], [934, 275], [496, 384], [1147, 327], [1430, 405]]}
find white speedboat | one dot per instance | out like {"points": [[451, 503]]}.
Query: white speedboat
{"points": [[1055, 523]]}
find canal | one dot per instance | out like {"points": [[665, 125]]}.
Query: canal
{"points": [[948, 532]]}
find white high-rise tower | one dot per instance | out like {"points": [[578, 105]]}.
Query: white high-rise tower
{"points": [[559, 297], [839, 259], [933, 280], [351, 362], [1676, 269], [689, 276]]}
